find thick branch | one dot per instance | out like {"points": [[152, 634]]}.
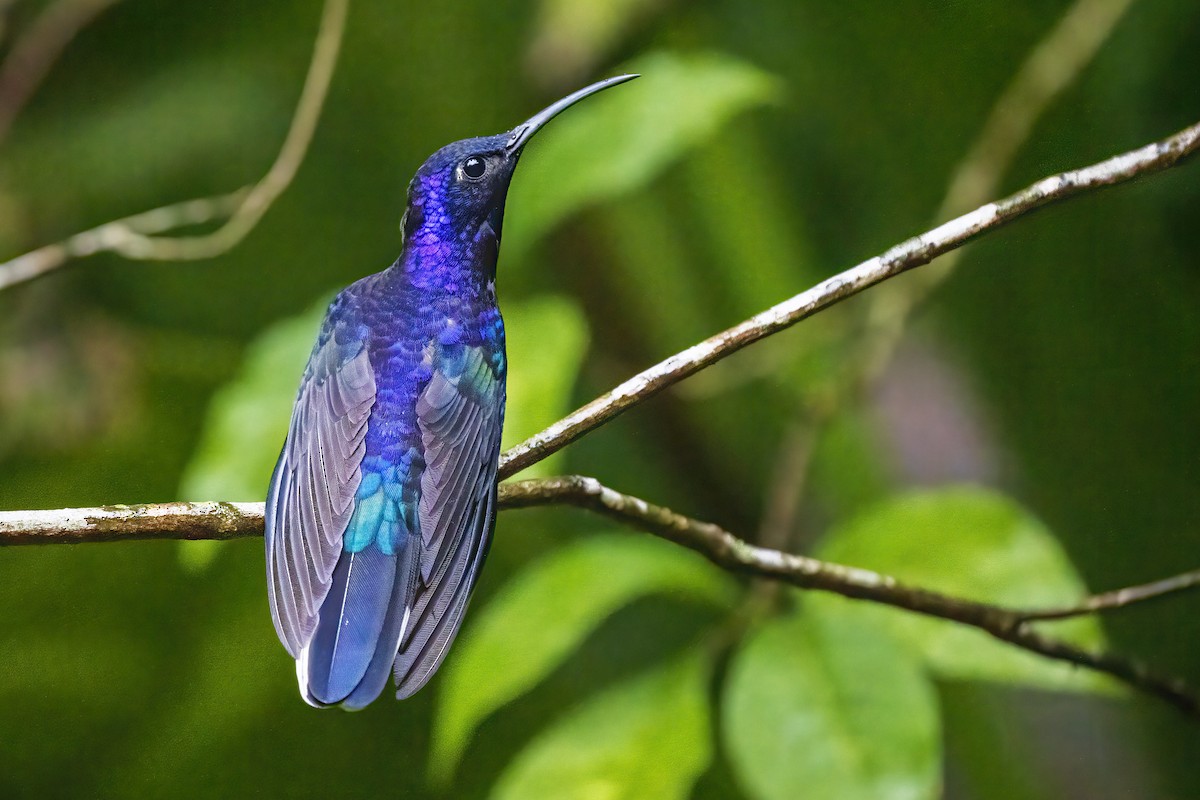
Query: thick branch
{"points": [[132, 523], [238, 520], [912, 253], [728, 551]]}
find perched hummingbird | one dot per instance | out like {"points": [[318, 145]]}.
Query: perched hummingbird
{"points": [[382, 505]]}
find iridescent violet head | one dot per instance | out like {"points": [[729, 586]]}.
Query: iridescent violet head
{"points": [[462, 187]]}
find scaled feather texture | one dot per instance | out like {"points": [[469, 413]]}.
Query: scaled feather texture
{"points": [[382, 505]]}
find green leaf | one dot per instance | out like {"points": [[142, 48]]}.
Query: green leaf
{"points": [[247, 422], [647, 737], [977, 544], [821, 705], [614, 144], [547, 338], [248, 417], [543, 613]]}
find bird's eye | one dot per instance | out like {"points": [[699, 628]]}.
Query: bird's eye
{"points": [[473, 168]]}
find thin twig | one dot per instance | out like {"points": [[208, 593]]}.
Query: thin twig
{"points": [[908, 254], [239, 520], [291, 155], [36, 51], [113, 236], [1053, 65], [135, 237], [787, 484], [1119, 598], [777, 528]]}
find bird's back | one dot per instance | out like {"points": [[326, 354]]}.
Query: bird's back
{"points": [[382, 504], [388, 591]]}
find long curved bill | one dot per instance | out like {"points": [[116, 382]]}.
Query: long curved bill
{"points": [[525, 131]]}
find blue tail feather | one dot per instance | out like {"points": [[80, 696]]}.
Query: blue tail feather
{"points": [[380, 668], [350, 624]]}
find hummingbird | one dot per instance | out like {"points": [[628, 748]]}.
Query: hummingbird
{"points": [[382, 504]]}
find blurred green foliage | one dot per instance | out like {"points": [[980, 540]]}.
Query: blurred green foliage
{"points": [[975, 544], [514, 643], [647, 737], [820, 705], [765, 147], [611, 148]]}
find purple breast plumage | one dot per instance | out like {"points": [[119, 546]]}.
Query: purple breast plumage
{"points": [[382, 504]]}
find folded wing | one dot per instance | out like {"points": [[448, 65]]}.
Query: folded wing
{"points": [[311, 497], [460, 414]]}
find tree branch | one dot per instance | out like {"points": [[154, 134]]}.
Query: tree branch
{"points": [[136, 237], [240, 520], [1050, 68], [1119, 598], [736, 555], [132, 523], [908, 254]]}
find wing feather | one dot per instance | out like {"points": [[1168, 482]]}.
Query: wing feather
{"points": [[441, 613], [419, 595], [460, 417], [312, 494]]}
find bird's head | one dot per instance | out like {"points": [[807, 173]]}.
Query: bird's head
{"points": [[459, 191]]}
